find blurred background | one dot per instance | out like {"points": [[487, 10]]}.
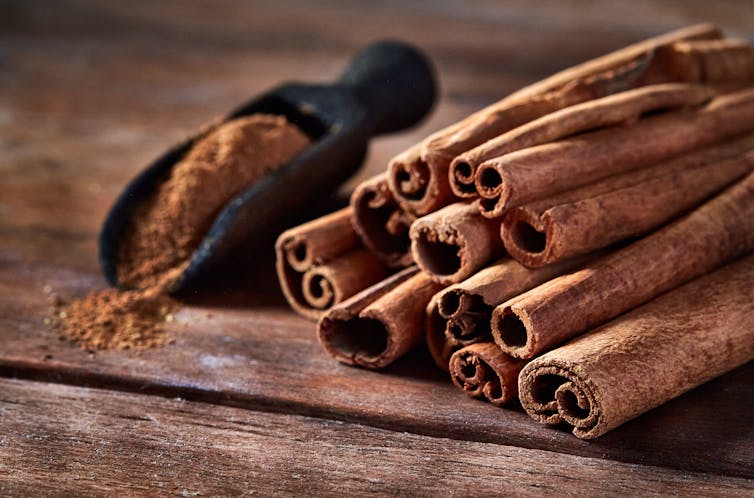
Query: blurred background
{"points": [[107, 85]]}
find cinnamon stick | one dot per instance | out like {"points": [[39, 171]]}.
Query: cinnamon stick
{"points": [[720, 61], [454, 242], [716, 232], [621, 206], [646, 357], [624, 107], [440, 348], [419, 176], [544, 170], [308, 286], [331, 282], [483, 370], [381, 223], [459, 315], [377, 326]]}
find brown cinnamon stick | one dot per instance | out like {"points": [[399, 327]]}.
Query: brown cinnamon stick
{"points": [[646, 357], [624, 107], [331, 282], [718, 231], [483, 370], [621, 206], [419, 176], [720, 61], [438, 344], [380, 324], [454, 242], [320, 263], [381, 223], [460, 314], [545, 170]]}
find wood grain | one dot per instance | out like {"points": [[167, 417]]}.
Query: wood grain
{"points": [[263, 357], [91, 91], [62, 440]]}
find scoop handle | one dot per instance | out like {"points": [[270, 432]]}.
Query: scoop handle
{"points": [[394, 81]]}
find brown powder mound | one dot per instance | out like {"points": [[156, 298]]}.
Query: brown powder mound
{"points": [[110, 319], [169, 226]]}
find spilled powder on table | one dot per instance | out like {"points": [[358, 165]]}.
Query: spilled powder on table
{"points": [[169, 225]]}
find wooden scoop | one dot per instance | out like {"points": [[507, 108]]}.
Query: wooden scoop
{"points": [[386, 87]]}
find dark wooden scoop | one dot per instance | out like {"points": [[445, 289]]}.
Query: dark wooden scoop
{"points": [[386, 87]]}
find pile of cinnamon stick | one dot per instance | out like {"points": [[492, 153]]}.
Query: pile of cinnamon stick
{"points": [[580, 245]]}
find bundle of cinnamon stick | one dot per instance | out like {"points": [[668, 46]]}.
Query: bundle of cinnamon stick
{"points": [[579, 245]]}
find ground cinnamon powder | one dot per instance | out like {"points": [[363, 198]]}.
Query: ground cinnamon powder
{"points": [[169, 225]]}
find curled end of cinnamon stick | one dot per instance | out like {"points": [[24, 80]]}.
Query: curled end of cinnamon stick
{"points": [[510, 330], [454, 242], [354, 340], [320, 263], [441, 255], [418, 184], [318, 290], [489, 183], [461, 177], [555, 393], [380, 324], [482, 370], [381, 223], [527, 237], [466, 316]]}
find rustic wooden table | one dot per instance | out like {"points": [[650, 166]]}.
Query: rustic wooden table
{"points": [[245, 402]]}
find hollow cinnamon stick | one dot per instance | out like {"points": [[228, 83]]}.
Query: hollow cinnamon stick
{"points": [[621, 206], [716, 232], [380, 324], [624, 107], [419, 176], [335, 280], [303, 250], [454, 242], [381, 223], [483, 370], [646, 357], [459, 315], [544, 170]]}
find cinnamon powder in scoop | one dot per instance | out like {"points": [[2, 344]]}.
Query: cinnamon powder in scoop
{"points": [[168, 227]]}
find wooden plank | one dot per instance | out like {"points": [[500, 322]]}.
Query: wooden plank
{"points": [[92, 90], [60, 440], [264, 357]]}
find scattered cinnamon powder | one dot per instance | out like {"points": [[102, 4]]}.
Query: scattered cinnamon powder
{"points": [[110, 319], [167, 228]]}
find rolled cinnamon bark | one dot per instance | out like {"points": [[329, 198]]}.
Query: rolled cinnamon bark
{"points": [[621, 206], [545, 170], [716, 61], [438, 344], [460, 314], [330, 283], [612, 110], [320, 263], [381, 223], [454, 242], [646, 357], [377, 326], [716, 232], [483, 370], [418, 178]]}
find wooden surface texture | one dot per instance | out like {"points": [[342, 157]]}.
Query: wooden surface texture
{"points": [[91, 91]]}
